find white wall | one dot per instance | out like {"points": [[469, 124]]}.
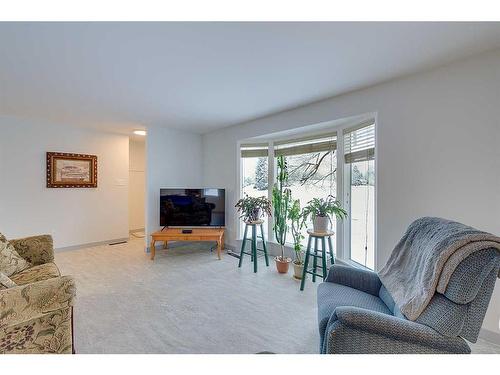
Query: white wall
{"points": [[174, 159], [438, 150], [137, 184], [72, 216]]}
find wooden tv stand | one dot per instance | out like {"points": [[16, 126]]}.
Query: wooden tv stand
{"points": [[198, 234]]}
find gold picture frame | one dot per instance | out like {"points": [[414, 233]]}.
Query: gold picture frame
{"points": [[66, 170]]}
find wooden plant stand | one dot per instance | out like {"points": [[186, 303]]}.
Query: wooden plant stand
{"points": [[198, 234]]}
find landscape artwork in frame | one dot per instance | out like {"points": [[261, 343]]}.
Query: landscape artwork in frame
{"points": [[66, 170]]}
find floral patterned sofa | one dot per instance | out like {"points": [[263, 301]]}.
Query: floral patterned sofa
{"points": [[36, 302]]}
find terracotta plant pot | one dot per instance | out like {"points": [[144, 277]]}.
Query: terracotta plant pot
{"points": [[282, 265], [298, 269], [321, 224]]}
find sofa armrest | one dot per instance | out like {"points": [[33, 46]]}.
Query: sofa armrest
{"points": [[36, 249], [400, 331], [32, 301], [364, 280]]}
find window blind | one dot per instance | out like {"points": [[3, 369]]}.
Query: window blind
{"points": [[254, 150], [306, 145], [359, 142]]}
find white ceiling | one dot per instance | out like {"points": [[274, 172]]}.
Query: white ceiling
{"points": [[203, 76]]}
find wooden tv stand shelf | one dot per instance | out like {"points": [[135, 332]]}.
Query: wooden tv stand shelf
{"points": [[198, 234]]}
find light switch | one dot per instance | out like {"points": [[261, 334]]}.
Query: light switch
{"points": [[121, 182]]}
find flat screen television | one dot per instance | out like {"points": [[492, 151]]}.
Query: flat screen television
{"points": [[204, 207]]}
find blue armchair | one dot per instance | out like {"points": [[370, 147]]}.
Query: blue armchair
{"points": [[356, 314]]}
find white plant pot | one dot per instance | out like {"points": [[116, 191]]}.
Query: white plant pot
{"points": [[321, 224], [298, 269]]}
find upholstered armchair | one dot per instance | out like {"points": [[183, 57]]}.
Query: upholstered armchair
{"points": [[36, 312], [356, 314]]}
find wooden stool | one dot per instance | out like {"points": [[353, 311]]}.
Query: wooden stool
{"points": [[317, 237], [253, 240]]}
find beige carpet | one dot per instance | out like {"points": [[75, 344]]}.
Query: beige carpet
{"points": [[187, 301]]}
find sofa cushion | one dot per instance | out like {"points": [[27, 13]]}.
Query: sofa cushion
{"points": [[36, 273], [10, 261], [332, 295], [6, 282], [35, 249]]}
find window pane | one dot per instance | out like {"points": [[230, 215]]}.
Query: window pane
{"points": [[362, 212], [254, 181], [312, 175]]}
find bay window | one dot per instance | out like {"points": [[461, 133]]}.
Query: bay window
{"points": [[313, 162]]}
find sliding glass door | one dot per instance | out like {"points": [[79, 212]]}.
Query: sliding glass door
{"points": [[359, 186]]}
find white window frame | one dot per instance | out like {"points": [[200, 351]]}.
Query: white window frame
{"points": [[271, 175], [345, 239], [343, 229]]}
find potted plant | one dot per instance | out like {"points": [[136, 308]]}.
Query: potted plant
{"points": [[252, 209], [320, 210], [297, 223], [281, 203]]}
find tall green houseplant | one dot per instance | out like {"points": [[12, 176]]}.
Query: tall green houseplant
{"points": [[297, 223], [282, 198]]}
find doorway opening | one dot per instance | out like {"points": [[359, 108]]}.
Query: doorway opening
{"points": [[137, 186]]}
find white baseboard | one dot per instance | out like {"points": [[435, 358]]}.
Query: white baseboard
{"points": [[230, 247], [90, 244], [490, 336], [136, 230]]}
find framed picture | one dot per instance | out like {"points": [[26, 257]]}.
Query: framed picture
{"points": [[71, 170]]}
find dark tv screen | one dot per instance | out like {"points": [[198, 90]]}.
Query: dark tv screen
{"points": [[192, 207]]}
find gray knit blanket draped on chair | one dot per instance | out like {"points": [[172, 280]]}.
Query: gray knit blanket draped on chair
{"points": [[425, 258]]}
